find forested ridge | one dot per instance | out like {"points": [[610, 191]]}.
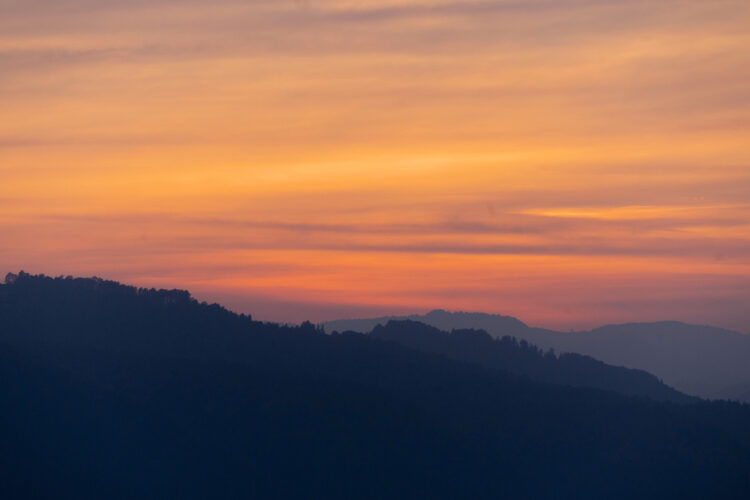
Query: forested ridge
{"points": [[118, 392]]}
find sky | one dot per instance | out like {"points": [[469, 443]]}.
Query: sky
{"points": [[570, 162]]}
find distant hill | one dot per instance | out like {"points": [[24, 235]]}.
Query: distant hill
{"points": [[111, 391], [438, 318], [698, 360], [522, 358]]}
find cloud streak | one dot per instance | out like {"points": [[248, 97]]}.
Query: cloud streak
{"points": [[532, 158]]}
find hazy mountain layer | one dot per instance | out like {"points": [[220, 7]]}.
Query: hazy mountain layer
{"points": [[699, 360], [477, 346]]}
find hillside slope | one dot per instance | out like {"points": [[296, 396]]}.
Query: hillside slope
{"points": [[698, 360], [477, 346], [115, 392]]}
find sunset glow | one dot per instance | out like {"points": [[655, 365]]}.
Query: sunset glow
{"points": [[571, 163]]}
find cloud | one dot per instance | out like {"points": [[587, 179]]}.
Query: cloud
{"points": [[382, 154]]}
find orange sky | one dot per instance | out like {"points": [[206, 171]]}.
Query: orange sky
{"points": [[572, 163]]}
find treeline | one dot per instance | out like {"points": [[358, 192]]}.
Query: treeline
{"points": [[520, 357], [113, 393]]}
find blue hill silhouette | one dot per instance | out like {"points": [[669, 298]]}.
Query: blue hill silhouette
{"points": [[698, 360], [522, 358]]}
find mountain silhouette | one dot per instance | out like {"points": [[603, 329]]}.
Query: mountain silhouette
{"points": [[439, 318], [698, 360], [112, 391], [522, 358]]}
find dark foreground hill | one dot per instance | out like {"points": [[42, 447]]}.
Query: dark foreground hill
{"points": [[699, 360], [114, 392]]}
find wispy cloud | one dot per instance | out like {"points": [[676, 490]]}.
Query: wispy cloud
{"points": [[529, 157]]}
